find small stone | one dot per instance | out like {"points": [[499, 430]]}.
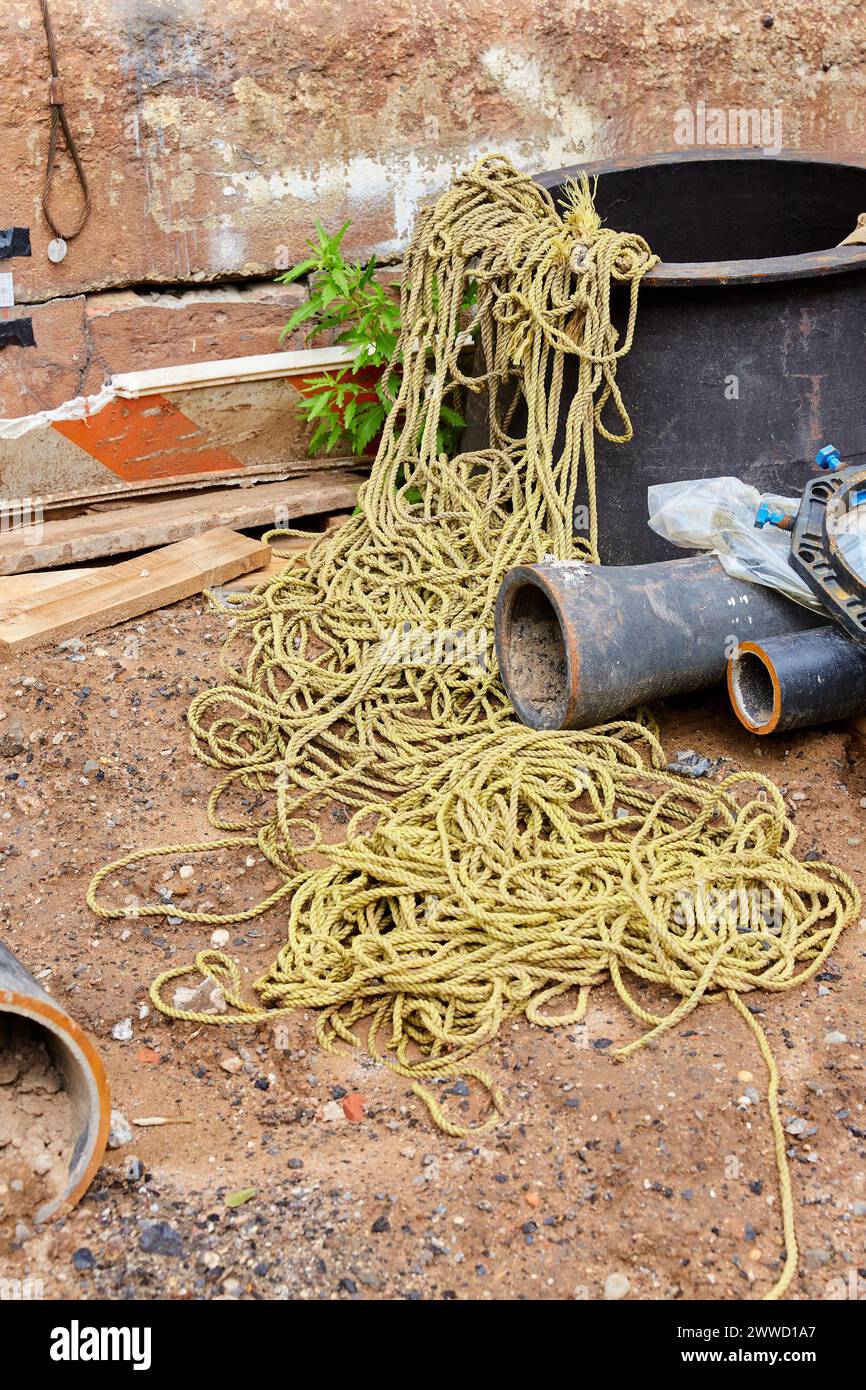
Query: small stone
{"points": [[860, 1208], [745, 1076], [12, 740], [205, 998], [119, 1130], [531, 1199], [834, 1038], [353, 1107], [83, 1258], [185, 871], [332, 1112], [232, 1064], [133, 1169], [816, 1258], [797, 1127], [380, 1225], [159, 1238], [122, 1031], [220, 938], [42, 1164], [616, 1286]]}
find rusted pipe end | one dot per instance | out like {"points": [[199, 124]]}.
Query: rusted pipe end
{"points": [[753, 686], [538, 663], [81, 1068]]}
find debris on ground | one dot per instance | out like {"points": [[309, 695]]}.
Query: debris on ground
{"points": [[688, 763]]}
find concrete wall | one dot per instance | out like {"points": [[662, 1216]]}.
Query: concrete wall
{"points": [[214, 131]]}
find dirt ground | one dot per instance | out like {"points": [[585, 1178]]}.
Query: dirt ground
{"points": [[660, 1169]]}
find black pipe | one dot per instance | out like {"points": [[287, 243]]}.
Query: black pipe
{"points": [[750, 304], [793, 681], [579, 644]]}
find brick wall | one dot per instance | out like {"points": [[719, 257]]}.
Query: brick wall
{"points": [[214, 131]]}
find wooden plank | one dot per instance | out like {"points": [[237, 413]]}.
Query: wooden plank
{"points": [[229, 370], [20, 586], [115, 593], [278, 563], [125, 493], [275, 566], [117, 530]]}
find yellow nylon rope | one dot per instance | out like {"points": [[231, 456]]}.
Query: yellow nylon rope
{"points": [[487, 870]]}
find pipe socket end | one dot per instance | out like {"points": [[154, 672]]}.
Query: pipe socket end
{"points": [[754, 689], [532, 652]]}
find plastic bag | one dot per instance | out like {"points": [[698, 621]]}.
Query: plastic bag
{"points": [[719, 514]]}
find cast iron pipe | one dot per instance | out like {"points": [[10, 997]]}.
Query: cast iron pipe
{"points": [[579, 644], [80, 1066], [754, 299], [793, 681]]}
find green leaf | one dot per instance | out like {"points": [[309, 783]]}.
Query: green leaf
{"points": [[241, 1195], [368, 427], [340, 280], [319, 436], [320, 404], [302, 268], [305, 311]]}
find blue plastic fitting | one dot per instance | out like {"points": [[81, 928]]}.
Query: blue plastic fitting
{"points": [[828, 458]]}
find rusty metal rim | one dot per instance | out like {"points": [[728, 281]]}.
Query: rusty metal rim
{"points": [[834, 260], [72, 1037], [516, 580], [769, 725]]}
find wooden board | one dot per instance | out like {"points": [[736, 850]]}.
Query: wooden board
{"points": [[277, 563], [228, 371], [19, 586], [110, 595], [119, 529], [118, 493], [275, 566]]}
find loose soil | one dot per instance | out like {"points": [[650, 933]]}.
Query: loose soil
{"points": [[660, 1169]]}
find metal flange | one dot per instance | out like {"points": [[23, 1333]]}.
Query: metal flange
{"points": [[825, 513]]}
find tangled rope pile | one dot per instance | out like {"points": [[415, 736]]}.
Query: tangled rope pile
{"points": [[487, 870]]}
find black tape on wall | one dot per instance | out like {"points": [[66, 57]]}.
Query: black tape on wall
{"points": [[17, 332], [14, 241]]}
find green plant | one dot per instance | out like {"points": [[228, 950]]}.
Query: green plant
{"points": [[356, 401]]}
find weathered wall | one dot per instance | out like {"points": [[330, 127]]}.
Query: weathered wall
{"points": [[214, 131]]}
